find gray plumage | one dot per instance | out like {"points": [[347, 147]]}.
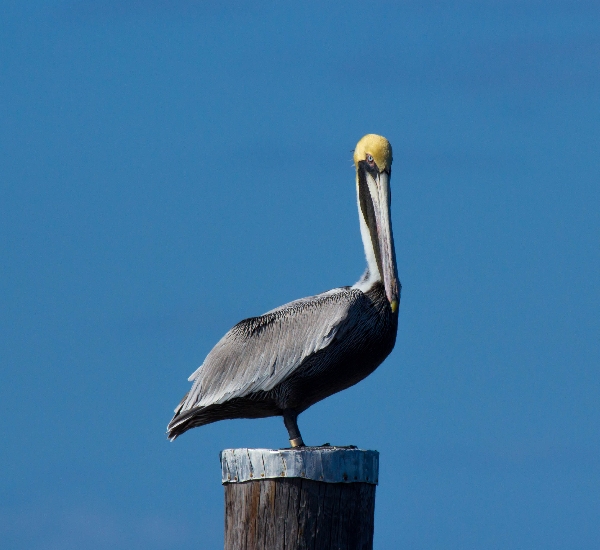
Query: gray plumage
{"points": [[286, 360], [290, 358]]}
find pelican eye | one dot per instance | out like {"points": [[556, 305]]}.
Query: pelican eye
{"points": [[370, 160]]}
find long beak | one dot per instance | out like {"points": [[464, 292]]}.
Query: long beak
{"points": [[375, 199], [386, 241]]}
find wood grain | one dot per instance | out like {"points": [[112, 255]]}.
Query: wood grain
{"points": [[299, 514]]}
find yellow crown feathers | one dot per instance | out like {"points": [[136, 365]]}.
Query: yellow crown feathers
{"points": [[376, 146]]}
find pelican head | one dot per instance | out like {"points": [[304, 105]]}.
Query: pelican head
{"points": [[373, 162]]}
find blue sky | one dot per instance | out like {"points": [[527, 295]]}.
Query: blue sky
{"points": [[166, 171]]}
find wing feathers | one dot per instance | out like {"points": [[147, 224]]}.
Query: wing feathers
{"points": [[258, 353]]}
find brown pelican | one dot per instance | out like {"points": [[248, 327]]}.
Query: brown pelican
{"points": [[286, 360]]}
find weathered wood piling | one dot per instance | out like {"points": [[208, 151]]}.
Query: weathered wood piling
{"points": [[313, 497]]}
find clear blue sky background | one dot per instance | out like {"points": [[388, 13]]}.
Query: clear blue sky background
{"points": [[169, 168]]}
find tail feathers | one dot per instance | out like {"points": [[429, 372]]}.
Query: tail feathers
{"points": [[186, 420]]}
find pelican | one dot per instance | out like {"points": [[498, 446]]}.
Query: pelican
{"points": [[286, 360]]}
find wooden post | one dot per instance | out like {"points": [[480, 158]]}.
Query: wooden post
{"points": [[312, 497]]}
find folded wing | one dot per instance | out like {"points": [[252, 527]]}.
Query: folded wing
{"points": [[259, 352]]}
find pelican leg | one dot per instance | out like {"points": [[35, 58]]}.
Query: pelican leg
{"points": [[290, 419]]}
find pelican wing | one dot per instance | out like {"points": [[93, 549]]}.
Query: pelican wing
{"points": [[259, 352]]}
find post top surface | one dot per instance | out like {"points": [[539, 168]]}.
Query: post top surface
{"points": [[326, 464]]}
